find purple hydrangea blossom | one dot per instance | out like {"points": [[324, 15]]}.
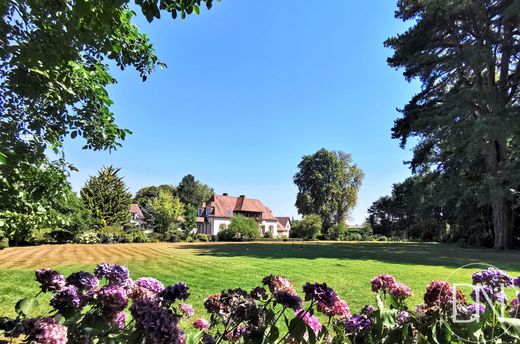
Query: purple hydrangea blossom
{"points": [[382, 283], [367, 310], [235, 335], [157, 324], [311, 321], [321, 293], [516, 282], [68, 299], [340, 309], [84, 281], [177, 291], [288, 299], [492, 277], [201, 324], [150, 284], [358, 323], [187, 310], [482, 293], [50, 280], [112, 299], [118, 320], [115, 274], [400, 291], [476, 308], [47, 331], [403, 317]]}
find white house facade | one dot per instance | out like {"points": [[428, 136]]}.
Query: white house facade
{"points": [[215, 215]]}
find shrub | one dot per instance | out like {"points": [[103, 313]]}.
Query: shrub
{"points": [[87, 237], [171, 235], [4, 243], [111, 235], [268, 235], [336, 232], [240, 229], [136, 236], [308, 228], [92, 308], [352, 237], [203, 237], [189, 238]]}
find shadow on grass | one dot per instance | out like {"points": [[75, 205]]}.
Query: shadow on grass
{"points": [[433, 254]]}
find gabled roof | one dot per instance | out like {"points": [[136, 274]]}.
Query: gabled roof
{"points": [[134, 209], [283, 220], [226, 206]]}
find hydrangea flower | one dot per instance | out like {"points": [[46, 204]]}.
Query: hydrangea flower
{"points": [[157, 324], [310, 320], [382, 283], [483, 292], [340, 308], [201, 324], [112, 299], [403, 317], [276, 283], [358, 323], [492, 277], [150, 284], [476, 308], [68, 299], [440, 294], [178, 291], [515, 307], [187, 310], [321, 293], [50, 280], [400, 291], [367, 310], [288, 299], [212, 303], [47, 331], [115, 274], [84, 281], [118, 320], [516, 282], [258, 293], [235, 335]]}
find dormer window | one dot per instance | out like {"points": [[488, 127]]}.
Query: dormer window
{"points": [[208, 211], [200, 211], [230, 212]]}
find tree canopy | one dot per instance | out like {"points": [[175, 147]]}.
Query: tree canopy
{"points": [[192, 192], [107, 198], [167, 210], [328, 183], [466, 55]]}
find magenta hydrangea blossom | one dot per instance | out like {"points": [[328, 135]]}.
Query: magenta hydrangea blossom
{"points": [[340, 309], [50, 280], [400, 291], [47, 331], [382, 283], [311, 321], [201, 323], [112, 299], [150, 284], [187, 310], [119, 320]]}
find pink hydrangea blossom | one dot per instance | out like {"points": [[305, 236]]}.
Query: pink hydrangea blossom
{"points": [[383, 283], [187, 309], [200, 323], [340, 308], [310, 320]]}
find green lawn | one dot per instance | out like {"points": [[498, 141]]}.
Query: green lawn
{"points": [[210, 268]]}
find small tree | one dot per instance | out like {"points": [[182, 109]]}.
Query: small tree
{"points": [[107, 198], [168, 209], [308, 228], [336, 232], [190, 218], [240, 228]]}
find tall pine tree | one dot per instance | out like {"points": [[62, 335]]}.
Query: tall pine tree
{"points": [[466, 55], [107, 198]]}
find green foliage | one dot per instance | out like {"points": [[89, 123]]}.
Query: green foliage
{"points": [[465, 116], [192, 192], [111, 234], [240, 228], [203, 237], [87, 237], [328, 183], [167, 210], [190, 219], [308, 228], [336, 232], [107, 197]]}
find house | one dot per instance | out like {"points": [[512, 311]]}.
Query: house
{"points": [[284, 226], [137, 215], [215, 215]]}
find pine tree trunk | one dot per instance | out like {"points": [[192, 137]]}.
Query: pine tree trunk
{"points": [[502, 215]]}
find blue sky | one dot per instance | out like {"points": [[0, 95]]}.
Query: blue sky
{"points": [[251, 87]]}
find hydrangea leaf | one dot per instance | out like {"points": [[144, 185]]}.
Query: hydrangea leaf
{"points": [[511, 326]]}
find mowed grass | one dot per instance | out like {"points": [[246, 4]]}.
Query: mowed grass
{"points": [[213, 267]]}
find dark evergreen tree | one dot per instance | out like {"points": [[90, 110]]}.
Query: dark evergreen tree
{"points": [[192, 192], [466, 55], [107, 198]]}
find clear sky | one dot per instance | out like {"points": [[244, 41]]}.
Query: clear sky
{"points": [[251, 87]]}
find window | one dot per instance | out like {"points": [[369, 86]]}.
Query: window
{"points": [[199, 212], [208, 211], [230, 212], [271, 228]]}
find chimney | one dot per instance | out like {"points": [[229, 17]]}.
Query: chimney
{"points": [[225, 194], [242, 196]]}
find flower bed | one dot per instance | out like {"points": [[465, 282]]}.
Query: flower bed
{"points": [[109, 307]]}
